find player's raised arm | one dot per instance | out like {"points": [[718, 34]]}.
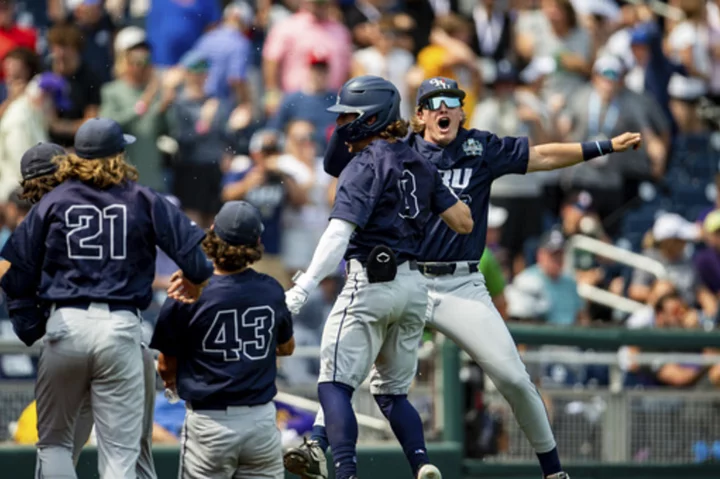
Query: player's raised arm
{"points": [[553, 156]]}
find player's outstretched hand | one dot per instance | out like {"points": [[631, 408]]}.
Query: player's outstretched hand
{"points": [[295, 299], [626, 141], [183, 290]]}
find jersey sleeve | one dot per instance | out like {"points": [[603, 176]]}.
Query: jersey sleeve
{"points": [[25, 247], [180, 239], [507, 155], [443, 197], [357, 193], [170, 328]]}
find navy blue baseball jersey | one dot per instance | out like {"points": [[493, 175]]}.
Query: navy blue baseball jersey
{"points": [[225, 342], [468, 165], [390, 193], [80, 243]]}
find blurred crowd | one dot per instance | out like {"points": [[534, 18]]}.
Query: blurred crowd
{"points": [[227, 100]]}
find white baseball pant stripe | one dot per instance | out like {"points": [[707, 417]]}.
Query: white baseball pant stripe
{"points": [[375, 323], [93, 351], [241, 442]]}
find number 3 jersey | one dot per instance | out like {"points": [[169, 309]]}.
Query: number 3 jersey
{"points": [[88, 244], [225, 342], [389, 192]]}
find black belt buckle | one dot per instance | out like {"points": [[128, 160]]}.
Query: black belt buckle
{"points": [[381, 265]]}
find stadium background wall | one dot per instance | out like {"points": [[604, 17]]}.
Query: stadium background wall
{"points": [[389, 463]]}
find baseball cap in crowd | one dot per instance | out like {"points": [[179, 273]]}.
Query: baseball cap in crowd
{"points": [[266, 140], [673, 226], [609, 67], [537, 68], [552, 241], [686, 88], [37, 161], [195, 61], [712, 222], [239, 223], [129, 38], [100, 137], [496, 216], [438, 86]]}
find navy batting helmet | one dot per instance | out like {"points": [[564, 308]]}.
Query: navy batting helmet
{"points": [[367, 96]]}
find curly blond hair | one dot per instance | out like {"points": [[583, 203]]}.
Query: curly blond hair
{"points": [[101, 173], [228, 257], [35, 188]]}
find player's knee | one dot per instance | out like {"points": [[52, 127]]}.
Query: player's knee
{"points": [[515, 385], [386, 402], [334, 388]]}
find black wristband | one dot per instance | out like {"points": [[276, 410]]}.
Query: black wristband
{"points": [[595, 149]]}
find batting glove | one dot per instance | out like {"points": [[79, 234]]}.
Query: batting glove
{"points": [[295, 299]]}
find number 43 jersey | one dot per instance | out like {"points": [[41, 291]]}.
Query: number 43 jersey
{"points": [[390, 193], [225, 342], [99, 245]]}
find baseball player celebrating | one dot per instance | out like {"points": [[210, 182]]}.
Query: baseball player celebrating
{"points": [[38, 172], [87, 250], [385, 197], [459, 304], [220, 354]]}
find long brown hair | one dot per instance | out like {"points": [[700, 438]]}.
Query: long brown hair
{"points": [[35, 188], [101, 173], [395, 131], [228, 257]]}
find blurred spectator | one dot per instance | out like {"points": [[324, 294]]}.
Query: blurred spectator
{"points": [[291, 42], [259, 180], [596, 113], [496, 231], [707, 261], [66, 43], [520, 195], [12, 35], [565, 306], [197, 166], [555, 32], [134, 101], [493, 36], [303, 225], [384, 57], [22, 124], [449, 55], [688, 42], [310, 103], [362, 18], [98, 31], [670, 234], [685, 94], [227, 48], [671, 311], [651, 70], [173, 27]]}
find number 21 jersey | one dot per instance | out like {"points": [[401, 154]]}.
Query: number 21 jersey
{"points": [[99, 245]]}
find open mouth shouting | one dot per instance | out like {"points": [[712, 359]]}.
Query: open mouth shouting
{"points": [[443, 124]]}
